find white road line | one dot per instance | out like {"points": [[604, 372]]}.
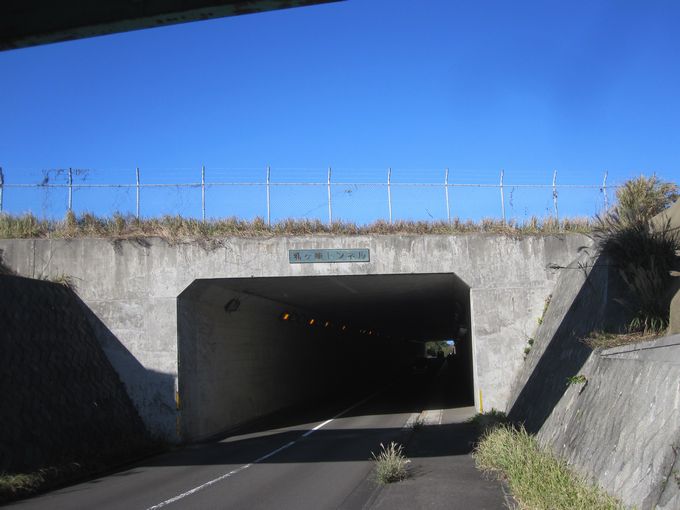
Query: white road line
{"points": [[432, 416], [412, 421], [264, 457], [317, 427]]}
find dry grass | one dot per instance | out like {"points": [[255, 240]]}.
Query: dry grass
{"points": [[602, 340], [642, 198], [390, 463], [177, 228], [538, 480]]}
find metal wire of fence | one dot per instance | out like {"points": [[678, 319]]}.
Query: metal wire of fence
{"points": [[399, 195]]}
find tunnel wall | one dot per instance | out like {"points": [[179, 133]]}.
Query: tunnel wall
{"points": [[131, 286], [237, 365], [504, 322]]}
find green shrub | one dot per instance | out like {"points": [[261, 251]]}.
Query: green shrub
{"points": [[644, 257]]}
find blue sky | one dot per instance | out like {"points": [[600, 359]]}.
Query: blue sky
{"points": [[529, 87]]}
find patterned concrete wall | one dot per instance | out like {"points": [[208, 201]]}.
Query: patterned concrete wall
{"points": [[619, 426], [622, 427], [61, 399]]}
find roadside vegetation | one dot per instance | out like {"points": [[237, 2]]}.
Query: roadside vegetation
{"points": [[643, 254], [17, 485], [13, 486], [537, 479], [177, 228], [20, 485], [487, 421], [390, 463]]}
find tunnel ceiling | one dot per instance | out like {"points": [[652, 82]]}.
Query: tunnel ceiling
{"points": [[412, 306], [32, 22]]}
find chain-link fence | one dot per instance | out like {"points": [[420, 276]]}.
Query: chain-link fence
{"points": [[359, 196]]}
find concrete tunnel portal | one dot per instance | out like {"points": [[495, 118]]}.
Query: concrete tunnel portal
{"points": [[248, 347]]}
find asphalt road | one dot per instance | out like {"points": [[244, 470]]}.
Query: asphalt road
{"points": [[314, 458]]}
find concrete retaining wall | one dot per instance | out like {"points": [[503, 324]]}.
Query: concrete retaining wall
{"points": [[132, 288], [61, 399], [622, 427]]}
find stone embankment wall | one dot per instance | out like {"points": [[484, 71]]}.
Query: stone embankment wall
{"points": [[618, 424], [61, 399]]}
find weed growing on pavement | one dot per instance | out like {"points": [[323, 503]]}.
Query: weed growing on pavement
{"points": [[390, 463]]}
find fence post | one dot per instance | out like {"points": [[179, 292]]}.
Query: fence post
{"points": [[269, 214], [604, 190], [446, 189], [2, 186], [137, 174], [502, 197], [203, 193], [554, 186], [330, 206], [70, 190], [389, 192]]}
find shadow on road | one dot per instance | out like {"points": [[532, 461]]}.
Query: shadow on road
{"points": [[445, 385], [409, 394]]}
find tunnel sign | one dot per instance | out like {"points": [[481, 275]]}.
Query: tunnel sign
{"points": [[321, 256]]}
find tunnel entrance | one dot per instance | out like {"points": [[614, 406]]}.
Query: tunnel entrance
{"points": [[251, 346]]}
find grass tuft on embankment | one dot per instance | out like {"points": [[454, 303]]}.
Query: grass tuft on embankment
{"points": [[537, 479], [177, 228]]}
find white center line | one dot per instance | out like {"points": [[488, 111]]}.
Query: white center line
{"points": [[264, 457]]}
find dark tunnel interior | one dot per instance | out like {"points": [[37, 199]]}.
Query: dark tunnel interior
{"points": [[251, 346]]}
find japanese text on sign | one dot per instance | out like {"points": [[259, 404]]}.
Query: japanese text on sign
{"points": [[316, 256]]}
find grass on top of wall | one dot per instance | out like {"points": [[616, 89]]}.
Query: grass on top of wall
{"points": [[177, 228], [606, 340]]}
